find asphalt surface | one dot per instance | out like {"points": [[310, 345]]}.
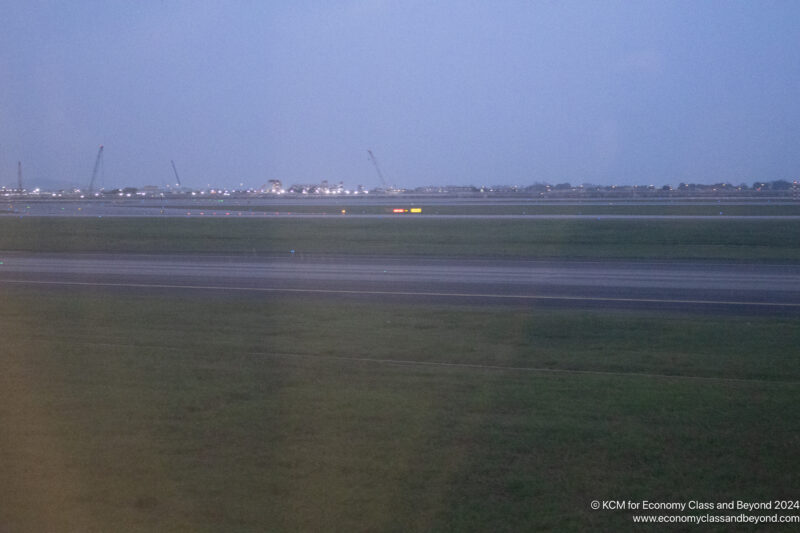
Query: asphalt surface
{"points": [[677, 286], [233, 208]]}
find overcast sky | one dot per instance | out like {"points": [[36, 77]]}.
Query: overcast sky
{"points": [[443, 92]]}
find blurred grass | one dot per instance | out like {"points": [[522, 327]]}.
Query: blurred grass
{"points": [[754, 240], [218, 413]]}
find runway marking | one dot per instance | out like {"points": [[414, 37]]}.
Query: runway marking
{"points": [[406, 293]]}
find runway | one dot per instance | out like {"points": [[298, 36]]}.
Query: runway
{"points": [[682, 286], [298, 208], [234, 214]]}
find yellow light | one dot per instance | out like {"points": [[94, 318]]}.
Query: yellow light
{"points": [[416, 210]]}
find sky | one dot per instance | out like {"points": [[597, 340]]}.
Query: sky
{"points": [[443, 93]]}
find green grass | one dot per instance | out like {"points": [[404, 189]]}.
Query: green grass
{"points": [[210, 412], [757, 240]]}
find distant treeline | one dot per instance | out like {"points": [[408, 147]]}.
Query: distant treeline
{"points": [[777, 187]]}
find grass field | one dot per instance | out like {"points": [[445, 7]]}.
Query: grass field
{"points": [[201, 412], [755, 240]]}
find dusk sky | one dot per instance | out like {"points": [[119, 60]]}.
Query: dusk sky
{"points": [[445, 92]]}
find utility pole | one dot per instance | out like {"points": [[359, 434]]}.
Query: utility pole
{"points": [[19, 175]]}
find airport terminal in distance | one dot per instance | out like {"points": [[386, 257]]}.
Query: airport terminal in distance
{"points": [[778, 190]]}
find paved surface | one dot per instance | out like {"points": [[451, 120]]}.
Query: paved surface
{"points": [[235, 208], [233, 214], [705, 287]]}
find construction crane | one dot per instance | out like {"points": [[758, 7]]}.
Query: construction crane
{"points": [[176, 173], [380, 174], [19, 175], [97, 162]]}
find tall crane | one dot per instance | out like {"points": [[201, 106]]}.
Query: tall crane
{"points": [[97, 162], [380, 174], [19, 175], [176, 173]]}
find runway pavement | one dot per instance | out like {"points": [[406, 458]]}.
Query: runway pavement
{"points": [[684, 286], [233, 214], [256, 209]]}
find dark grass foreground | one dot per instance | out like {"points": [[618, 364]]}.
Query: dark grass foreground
{"points": [[213, 413]]}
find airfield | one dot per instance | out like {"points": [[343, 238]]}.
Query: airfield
{"points": [[380, 206], [481, 365], [576, 284]]}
